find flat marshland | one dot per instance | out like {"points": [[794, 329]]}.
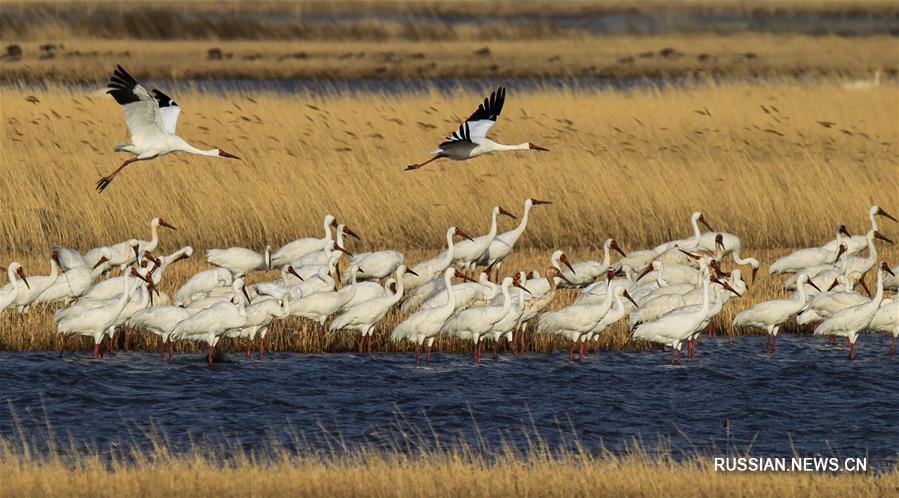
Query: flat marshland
{"points": [[777, 162]]}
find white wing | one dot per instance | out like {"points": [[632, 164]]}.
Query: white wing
{"points": [[475, 128], [141, 110], [169, 110]]}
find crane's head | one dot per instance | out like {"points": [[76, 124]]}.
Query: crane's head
{"points": [[537, 147], [166, 224], [701, 219], [21, 273], [719, 241], [564, 259], [878, 235], [537, 202], [100, 262], [615, 247], [554, 271], [843, 231], [881, 212], [460, 233], [885, 267], [347, 231], [222, 153]]}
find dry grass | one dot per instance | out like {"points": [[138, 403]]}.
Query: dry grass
{"points": [[629, 165], [739, 54], [441, 471]]}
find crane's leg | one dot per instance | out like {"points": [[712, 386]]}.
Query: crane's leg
{"points": [[361, 340], [96, 354], [892, 350], [416, 166], [249, 348], [417, 354], [171, 349], [63, 347], [262, 348], [428, 356], [106, 180], [128, 333], [851, 350], [571, 351], [369, 342], [209, 353]]}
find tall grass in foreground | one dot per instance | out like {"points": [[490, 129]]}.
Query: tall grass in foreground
{"points": [[453, 470]]}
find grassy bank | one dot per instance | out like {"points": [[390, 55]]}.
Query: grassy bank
{"points": [[435, 472]]}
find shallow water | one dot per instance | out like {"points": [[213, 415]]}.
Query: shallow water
{"points": [[807, 398]]}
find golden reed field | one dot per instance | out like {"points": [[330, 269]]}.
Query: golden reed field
{"points": [[460, 472], [778, 163]]}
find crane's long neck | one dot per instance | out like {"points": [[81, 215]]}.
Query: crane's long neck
{"points": [[801, 294], [696, 233], [400, 289], [706, 303], [154, 236], [878, 295], [340, 239], [872, 250], [451, 296], [872, 216], [507, 301], [606, 256], [448, 256], [495, 147], [327, 226], [492, 233], [524, 221], [186, 147]]}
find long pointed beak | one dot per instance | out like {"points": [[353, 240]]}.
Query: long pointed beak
{"points": [[629, 298], [294, 273], [877, 235], [245, 294], [883, 213], [410, 272], [702, 220], [228, 155], [864, 286], [348, 253], [617, 248], [688, 253], [834, 284], [100, 262], [460, 233], [351, 233], [754, 273], [506, 213], [813, 285], [565, 279], [537, 147], [888, 270], [167, 225], [518, 284], [565, 260]]}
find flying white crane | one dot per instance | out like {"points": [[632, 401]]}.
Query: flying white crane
{"points": [[467, 252], [850, 321], [504, 243], [856, 243], [769, 315], [364, 316], [424, 325], [470, 140], [240, 260], [152, 120]]}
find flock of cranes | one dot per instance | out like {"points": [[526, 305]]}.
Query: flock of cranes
{"points": [[152, 119], [668, 294]]}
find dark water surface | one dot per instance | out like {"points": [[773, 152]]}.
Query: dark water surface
{"points": [[808, 399]]}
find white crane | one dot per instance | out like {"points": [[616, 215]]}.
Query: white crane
{"points": [[467, 252], [374, 265], [535, 302], [425, 325], [584, 273], [427, 270], [674, 327], [96, 322], [857, 267], [202, 283], [320, 305], [575, 320], [473, 323], [364, 316], [152, 120], [26, 296], [260, 315], [804, 258], [504, 243], [240, 260], [727, 244], [850, 321], [470, 140], [160, 320], [769, 315], [886, 320], [301, 247], [617, 312], [210, 324], [120, 254], [690, 243], [856, 243], [10, 291]]}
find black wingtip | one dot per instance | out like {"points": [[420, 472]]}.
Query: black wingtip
{"points": [[121, 86]]}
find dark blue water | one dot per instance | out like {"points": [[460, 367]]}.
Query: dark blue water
{"points": [[808, 399]]}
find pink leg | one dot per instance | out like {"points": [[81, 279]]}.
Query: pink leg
{"points": [[571, 351], [774, 345], [96, 354], [369, 344], [851, 350], [361, 339], [171, 349], [893, 346], [209, 353], [249, 348], [63, 347], [428, 357], [261, 348], [417, 355]]}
